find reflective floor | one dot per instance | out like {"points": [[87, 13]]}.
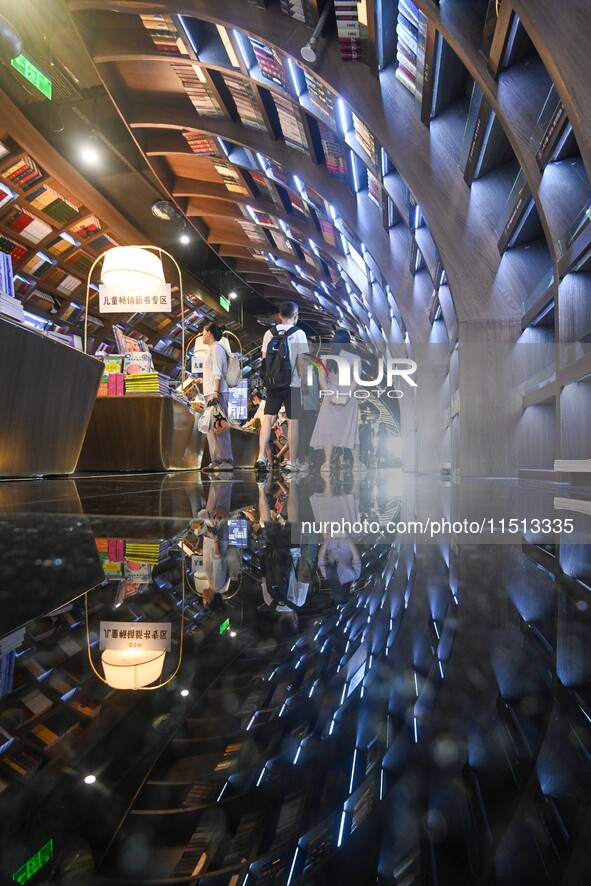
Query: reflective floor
{"points": [[364, 679]]}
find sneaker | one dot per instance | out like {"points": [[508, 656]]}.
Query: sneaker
{"points": [[262, 464], [296, 466], [223, 466]]}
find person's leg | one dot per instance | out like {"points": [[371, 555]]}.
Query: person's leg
{"points": [[265, 434], [327, 458], [293, 438], [224, 440]]}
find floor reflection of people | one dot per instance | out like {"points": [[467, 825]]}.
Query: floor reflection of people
{"points": [[278, 499], [286, 576], [339, 562], [339, 559], [214, 528]]}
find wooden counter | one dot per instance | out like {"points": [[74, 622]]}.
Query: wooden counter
{"points": [[141, 432], [47, 390]]}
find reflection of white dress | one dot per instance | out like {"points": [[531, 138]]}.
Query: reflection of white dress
{"points": [[337, 425], [334, 508]]}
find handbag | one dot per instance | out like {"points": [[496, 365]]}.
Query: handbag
{"points": [[205, 421], [219, 419]]}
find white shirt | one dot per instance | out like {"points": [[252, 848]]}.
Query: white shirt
{"points": [[298, 344], [348, 569], [215, 366]]}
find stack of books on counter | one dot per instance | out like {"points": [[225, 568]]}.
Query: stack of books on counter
{"points": [[12, 308], [146, 383], [151, 552]]}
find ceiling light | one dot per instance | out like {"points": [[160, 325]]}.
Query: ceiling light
{"points": [[233, 295], [89, 779], [89, 151], [184, 692], [184, 238]]}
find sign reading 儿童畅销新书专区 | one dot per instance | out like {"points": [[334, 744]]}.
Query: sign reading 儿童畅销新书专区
{"points": [[148, 636], [112, 302]]}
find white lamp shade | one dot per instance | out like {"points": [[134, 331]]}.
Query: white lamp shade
{"points": [[129, 270], [132, 668]]}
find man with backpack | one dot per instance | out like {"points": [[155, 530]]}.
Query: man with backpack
{"points": [[284, 349]]}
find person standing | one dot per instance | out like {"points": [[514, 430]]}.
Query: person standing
{"points": [[284, 349], [338, 419], [215, 390]]}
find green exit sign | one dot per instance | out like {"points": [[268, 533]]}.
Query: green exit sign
{"points": [[34, 864], [224, 303], [224, 626], [32, 74]]}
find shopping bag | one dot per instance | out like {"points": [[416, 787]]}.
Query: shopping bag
{"points": [[205, 421]]}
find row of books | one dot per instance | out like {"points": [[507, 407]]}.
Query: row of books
{"points": [[37, 265], [407, 45], [198, 89], [270, 63], [320, 96], [366, 139], [247, 106], [7, 195], [352, 29], [164, 34], [15, 250], [23, 173], [291, 124], [230, 177], [201, 144], [6, 275], [52, 203], [334, 154], [25, 224], [299, 9]]}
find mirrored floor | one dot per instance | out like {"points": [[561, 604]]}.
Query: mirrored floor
{"points": [[309, 680]]}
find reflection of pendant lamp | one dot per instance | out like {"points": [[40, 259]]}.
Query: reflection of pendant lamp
{"points": [[135, 668], [132, 668], [135, 269]]}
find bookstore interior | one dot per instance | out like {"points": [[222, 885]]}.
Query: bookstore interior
{"points": [[369, 662]]}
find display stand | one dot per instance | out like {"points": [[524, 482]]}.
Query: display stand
{"points": [[141, 432], [48, 390]]}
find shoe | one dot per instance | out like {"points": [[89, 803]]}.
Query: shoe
{"points": [[262, 464], [223, 466], [296, 466]]}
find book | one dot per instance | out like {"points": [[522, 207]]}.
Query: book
{"points": [[137, 363], [84, 703]]}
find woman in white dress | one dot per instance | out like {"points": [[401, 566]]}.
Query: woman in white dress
{"points": [[338, 418]]}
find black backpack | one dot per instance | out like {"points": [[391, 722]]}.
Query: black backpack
{"points": [[278, 368]]}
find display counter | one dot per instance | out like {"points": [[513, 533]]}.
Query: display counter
{"points": [[141, 432], [47, 391], [245, 448]]}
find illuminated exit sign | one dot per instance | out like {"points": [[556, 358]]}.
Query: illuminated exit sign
{"points": [[224, 626], [34, 864], [32, 74], [224, 303]]}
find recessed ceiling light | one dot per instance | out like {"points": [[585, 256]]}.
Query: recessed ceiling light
{"points": [[184, 692], [233, 295], [89, 152], [89, 779], [184, 238]]}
